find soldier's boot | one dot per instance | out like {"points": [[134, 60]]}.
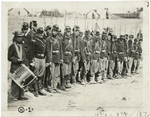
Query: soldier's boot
{"points": [[129, 72], [35, 86], [105, 79], [137, 70], [135, 65], [92, 79], [40, 86], [73, 80], [84, 82], [62, 87], [99, 78], [67, 82], [79, 77]]}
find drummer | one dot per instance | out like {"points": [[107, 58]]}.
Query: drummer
{"points": [[16, 55]]}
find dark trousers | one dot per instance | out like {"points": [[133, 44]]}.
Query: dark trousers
{"points": [[16, 91]]}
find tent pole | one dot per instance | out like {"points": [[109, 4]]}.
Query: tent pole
{"points": [[114, 29], [44, 21], [51, 17], [56, 16], [135, 30], [103, 24], [88, 25], [120, 30], [65, 19], [92, 24], [85, 22]]}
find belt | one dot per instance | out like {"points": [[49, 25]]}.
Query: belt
{"points": [[96, 52], [40, 56], [68, 53], [120, 52], [88, 53], [55, 52], [77, 50]]}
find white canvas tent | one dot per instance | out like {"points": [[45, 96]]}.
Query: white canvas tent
{"points": [[141, 15], [92, 14], [18, 12], [102, 13]]}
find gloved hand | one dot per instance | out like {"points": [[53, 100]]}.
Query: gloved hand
{"points": [[73, 61], [103, 50], [132, 50], [97, 52], [19, 61], [91, 61], [32, 64], [47, 64], [61, 61], [84, 61]]}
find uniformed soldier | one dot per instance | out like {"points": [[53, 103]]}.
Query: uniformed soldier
{"points": [[54, 57], [30, 37], [112, 54], [121, 54], [96, 50], [131, 54], [139, 35], [68, 56], [125, 66], [98, 74], [48, 31], [140, 55], [84, 65], [81, 34], [25, 28], [17, 56], [60, 33], [38, 55], [104, 57], [138, 51], [115, 57], [78, 54]]}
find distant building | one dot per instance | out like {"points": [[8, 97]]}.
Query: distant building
{"points": [[128, 15], [53, 13]]}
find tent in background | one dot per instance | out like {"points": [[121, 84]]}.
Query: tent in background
{"points": [[18, 12], [92, 14]]}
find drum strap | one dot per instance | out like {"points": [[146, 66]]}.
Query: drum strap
{"points": [[19, 51]]}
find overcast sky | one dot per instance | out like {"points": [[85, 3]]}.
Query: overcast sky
{"points": [[81, 7]]}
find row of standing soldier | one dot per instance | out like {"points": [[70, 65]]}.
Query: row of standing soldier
{"points": [[59, 60]]}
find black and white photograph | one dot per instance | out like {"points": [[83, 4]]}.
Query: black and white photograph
{"points": [[75, 58]]}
